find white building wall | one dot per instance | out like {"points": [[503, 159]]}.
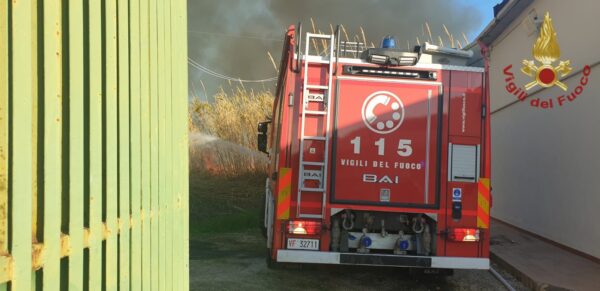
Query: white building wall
{"points": [[546, 162]]}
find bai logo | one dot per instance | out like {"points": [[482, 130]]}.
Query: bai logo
{"points": [[545, 72], [372, 178]]}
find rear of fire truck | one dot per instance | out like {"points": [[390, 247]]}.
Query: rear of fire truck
{"points": [[378, 156]]}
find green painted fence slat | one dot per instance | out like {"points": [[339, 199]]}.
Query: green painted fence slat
{"points": [[177, 252], [111, 143], [21, 179], [124, 139], [4, 129], [174, 144], [176, 39], [95, 151], [4, 144], [154, 157], [184, 167], [76, 144], [168, 208], [52, 142], [100, 88], [135, 145], [38, 72], [161, 167], [145, 140]]}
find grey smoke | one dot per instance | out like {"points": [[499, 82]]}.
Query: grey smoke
{"points": [[232, 37]]}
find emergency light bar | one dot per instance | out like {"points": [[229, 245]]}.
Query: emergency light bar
{"points": [[390, 57], [388, 72]]}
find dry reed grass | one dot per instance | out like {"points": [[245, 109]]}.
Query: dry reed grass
{"points": [[216, 157], [223, 132]]}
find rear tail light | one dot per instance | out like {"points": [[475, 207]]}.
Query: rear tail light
{"points": [[304, 227], [463, 234]]}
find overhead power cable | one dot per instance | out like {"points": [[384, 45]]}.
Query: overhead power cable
{"points": [[218, 75], [220, 34], [210, 72]]}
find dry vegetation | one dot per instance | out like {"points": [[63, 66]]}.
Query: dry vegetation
{"points": [[223, 132]]}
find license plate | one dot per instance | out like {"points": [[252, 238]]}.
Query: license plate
{"points": [[302, 244]]}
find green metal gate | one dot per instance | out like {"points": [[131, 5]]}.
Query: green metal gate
{"points": [[93, 145]]}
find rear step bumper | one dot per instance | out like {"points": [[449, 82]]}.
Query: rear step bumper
{"points": [[312, 257]]}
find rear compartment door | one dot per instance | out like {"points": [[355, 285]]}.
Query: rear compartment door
{"points": [[386, 142]]}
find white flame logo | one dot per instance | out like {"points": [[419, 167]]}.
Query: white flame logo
{"points": [[390, 120]]}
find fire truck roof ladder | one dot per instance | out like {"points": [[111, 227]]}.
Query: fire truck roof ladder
{"points": [[311, 93]]}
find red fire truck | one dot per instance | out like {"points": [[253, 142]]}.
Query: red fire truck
{"points": [[378, 156]]}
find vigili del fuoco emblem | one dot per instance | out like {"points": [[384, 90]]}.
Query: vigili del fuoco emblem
{"points": [[546, 51]]}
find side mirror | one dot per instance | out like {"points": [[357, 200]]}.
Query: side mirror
{"points": [[263, 128]]}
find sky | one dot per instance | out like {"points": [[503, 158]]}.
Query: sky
{"points": [[233, 37]]}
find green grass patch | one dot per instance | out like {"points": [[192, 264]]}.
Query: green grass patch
{"points": [[225, 205], [235, 222]]}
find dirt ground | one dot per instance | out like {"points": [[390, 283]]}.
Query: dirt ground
{"points": [[227, 251]]}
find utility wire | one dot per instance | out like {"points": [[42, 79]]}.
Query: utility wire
{"points": [[208, 71], [217, 75], [235, 35]]}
